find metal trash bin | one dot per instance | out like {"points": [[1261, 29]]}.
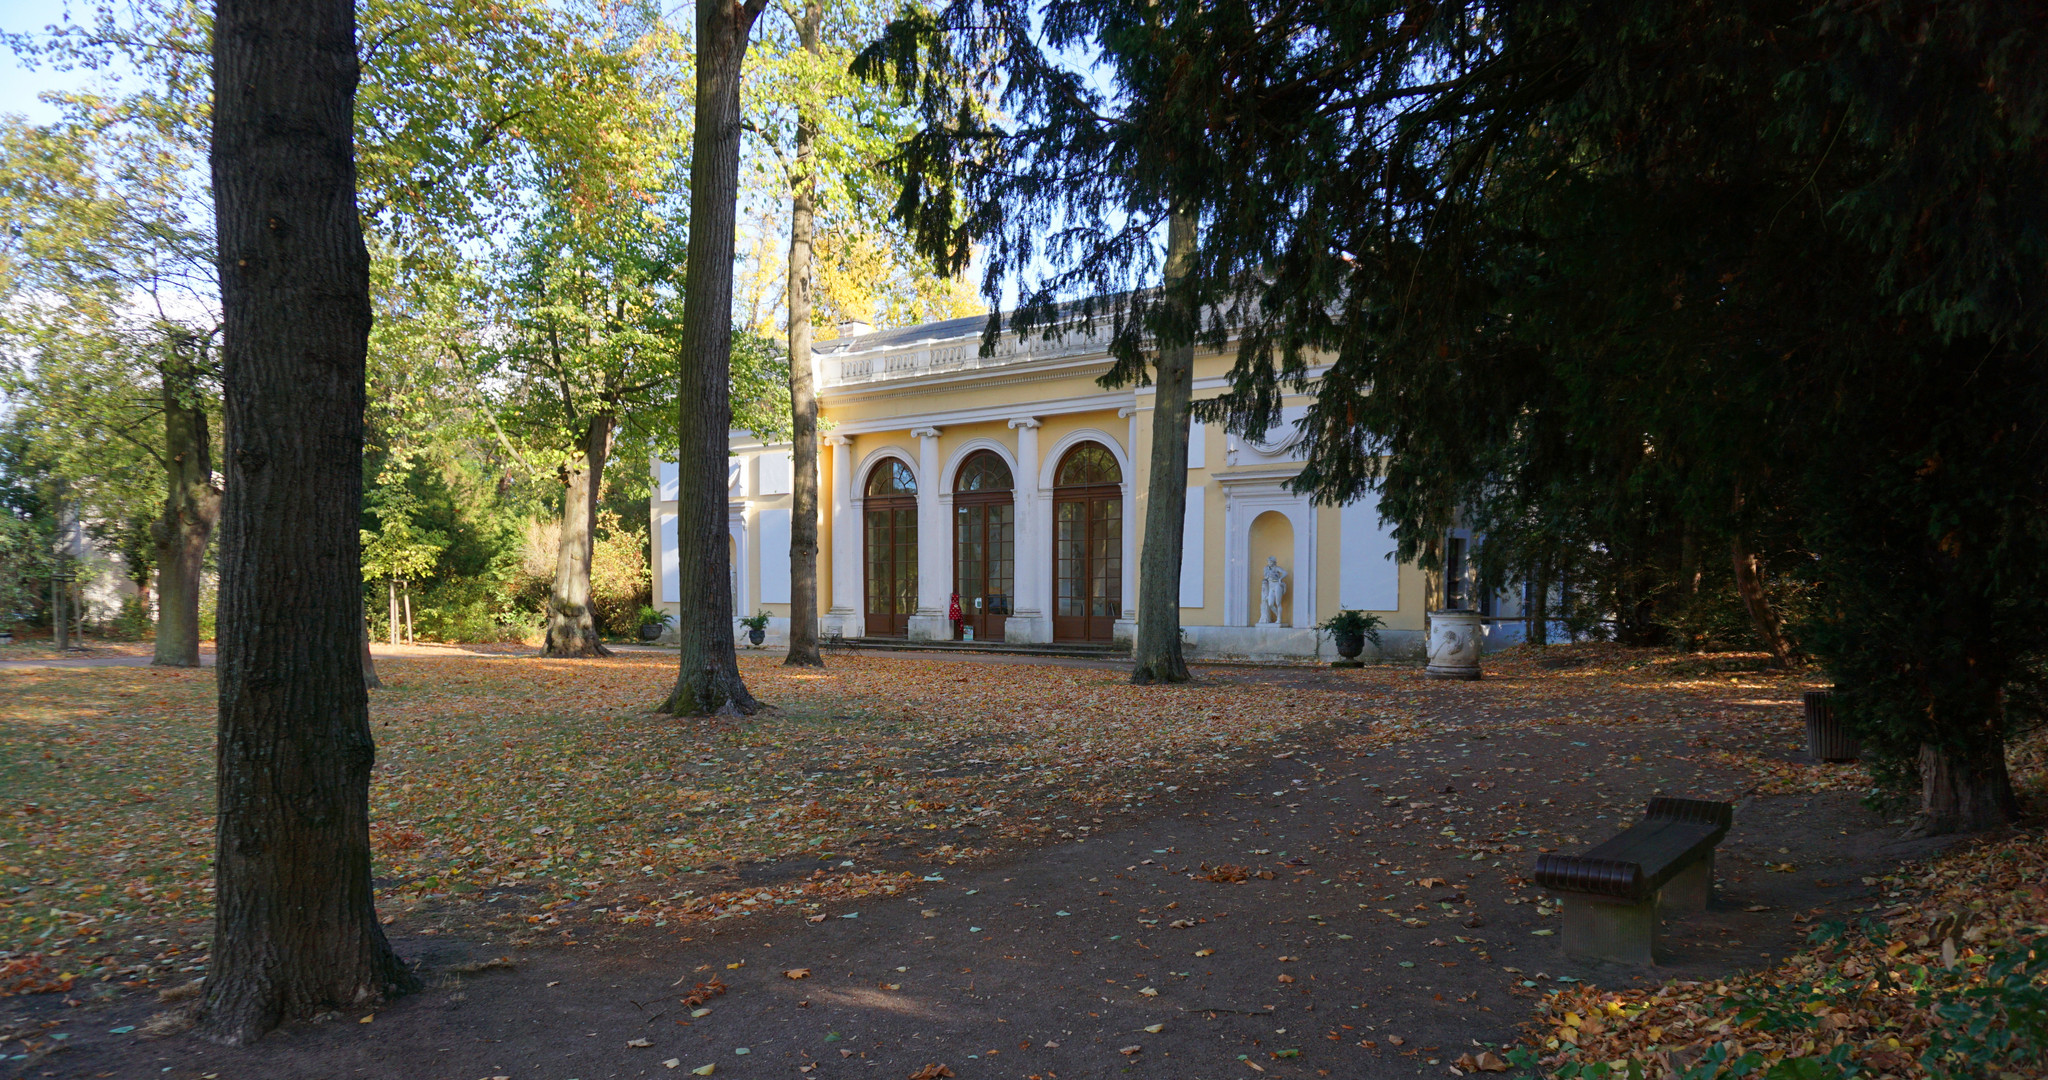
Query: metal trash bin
{"points": [[1826, 738]]}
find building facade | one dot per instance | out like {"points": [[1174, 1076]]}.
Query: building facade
{"points": [[1016, 484]]}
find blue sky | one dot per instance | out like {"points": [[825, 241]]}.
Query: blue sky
{"points": [[20, 86]]}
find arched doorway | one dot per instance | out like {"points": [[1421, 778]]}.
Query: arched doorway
{"points": [[1088, 545], [984, 543], [889, 519]]}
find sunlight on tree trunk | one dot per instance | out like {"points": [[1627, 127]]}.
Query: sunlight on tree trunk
{"points": [[191, 506], [1156, 655], [572, 625], [295, 929], [803, 399], [1749, 585], [708, 677]]}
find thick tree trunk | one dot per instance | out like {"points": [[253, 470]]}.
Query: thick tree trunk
{"points": [[708, 679], [1749, 585], [295, 928], [803, 400], [572, 625], [191, 507], [1156, 654], [1965, 788]]}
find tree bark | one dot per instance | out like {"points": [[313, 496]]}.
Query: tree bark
{"points": [[1538, 633], [708, 677], [1965, 788], [572, 625], [295, 928], [370, 680], [191, 507], [1156, 654], [803, 399], [1749, 585]]}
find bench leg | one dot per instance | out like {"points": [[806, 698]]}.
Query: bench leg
{"points": [[1624, 933], [1692, 890]]}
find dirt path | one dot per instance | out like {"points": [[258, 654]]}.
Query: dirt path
{"points": [[1330, 959]]}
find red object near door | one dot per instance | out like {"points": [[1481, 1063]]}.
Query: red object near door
{"points": [[953, 613]]}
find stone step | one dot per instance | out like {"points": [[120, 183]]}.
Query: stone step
{"points": [[1106, 651]]}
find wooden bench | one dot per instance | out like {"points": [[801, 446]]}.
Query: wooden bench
{"points": [[1614, 893]]}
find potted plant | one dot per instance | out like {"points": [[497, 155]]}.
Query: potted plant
{"points": [[654, 622], [1350, 630], [757, 627]]}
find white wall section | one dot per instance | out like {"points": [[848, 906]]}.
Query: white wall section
{"points": [[774, 525], [1367, 578], [665, 543], [1192, 562]]}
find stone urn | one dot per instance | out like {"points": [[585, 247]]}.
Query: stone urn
{"points": [[1454, 638], [651, 631], [756, 635], [1349, 644]]}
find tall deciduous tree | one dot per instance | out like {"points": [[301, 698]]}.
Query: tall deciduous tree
{"points": [[709, 680], [803, 397], [295, 922], [108, 312]]}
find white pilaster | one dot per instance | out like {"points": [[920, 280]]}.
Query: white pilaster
{"points": [[934, 545], [1032, 621], [845, 616]]}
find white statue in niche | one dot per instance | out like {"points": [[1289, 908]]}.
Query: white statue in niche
{"points": [[1272, 590]]}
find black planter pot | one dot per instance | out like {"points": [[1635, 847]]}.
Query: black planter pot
{"points": [[651, 631], [757, 636], [1349, 645], [1826, 738]]}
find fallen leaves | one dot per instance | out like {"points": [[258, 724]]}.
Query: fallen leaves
{"points": [[797, 973], [1851, 994], [932, 1072]]}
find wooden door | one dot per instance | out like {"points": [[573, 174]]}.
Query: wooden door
{"points": [[889, 540], [1088, 545], [984, 544]]}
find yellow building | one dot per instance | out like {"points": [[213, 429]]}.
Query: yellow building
{"points": [[1018, 484]]}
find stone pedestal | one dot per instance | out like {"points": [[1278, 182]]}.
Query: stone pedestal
{"points": [[1454, 638], [1612, 930]]}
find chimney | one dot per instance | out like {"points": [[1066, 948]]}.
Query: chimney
{"points": [[853, 328]]}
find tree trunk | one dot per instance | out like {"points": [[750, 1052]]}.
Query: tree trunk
{"points": [[1965, 789], [370, 680], [191, 507], [572, 625], [1539, 605], [1156, 654], [803, 400], [60, 604], [708, 678], [295, 929], [1749, 585]]}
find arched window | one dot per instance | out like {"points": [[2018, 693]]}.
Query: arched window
{"points": [[984, 471], [891, 477], [1087, 544], [1086, 464]]}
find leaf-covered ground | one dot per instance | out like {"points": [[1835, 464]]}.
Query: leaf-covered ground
{"points": [[1950, 980], [509, 785]]}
